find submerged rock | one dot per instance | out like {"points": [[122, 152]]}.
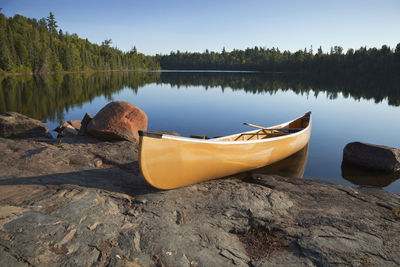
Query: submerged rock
{"points": [[16, 125], [374, 157], [118, 120]]}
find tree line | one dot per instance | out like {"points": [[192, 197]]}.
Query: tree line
{"points": [[38, 46], [361, 61]]}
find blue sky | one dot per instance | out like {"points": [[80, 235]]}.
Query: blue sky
{"points": [[162, 26]]}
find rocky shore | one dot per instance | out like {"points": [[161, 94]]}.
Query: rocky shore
{"points": [[80, 201]]}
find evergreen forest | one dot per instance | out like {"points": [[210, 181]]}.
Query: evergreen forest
{"points": [[382, 61], [38, 46]]}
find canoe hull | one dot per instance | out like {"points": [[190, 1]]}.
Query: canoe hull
{"points": [[171, 162]]}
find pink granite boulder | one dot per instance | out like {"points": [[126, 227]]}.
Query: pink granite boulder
{"points": [[118, 120]]}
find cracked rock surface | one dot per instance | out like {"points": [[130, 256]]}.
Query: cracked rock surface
{"points": [[82, 202]]}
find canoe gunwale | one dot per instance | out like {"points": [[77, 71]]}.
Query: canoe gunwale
{"points": [[216, 140]]}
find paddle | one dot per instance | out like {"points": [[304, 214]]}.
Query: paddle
{"points": [[273, 129]]}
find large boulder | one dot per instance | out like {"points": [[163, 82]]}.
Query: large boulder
{"points": [[118, 120], [374, 157], [16, 125]]}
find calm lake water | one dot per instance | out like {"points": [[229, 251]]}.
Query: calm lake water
{"points": [[217, 103]]}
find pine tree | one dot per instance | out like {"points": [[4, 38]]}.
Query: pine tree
{"points": [[52, 23]]}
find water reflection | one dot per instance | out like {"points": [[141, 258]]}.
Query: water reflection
{"points": [[292, 166], [48, 97], [358, 87], [362, 177]]}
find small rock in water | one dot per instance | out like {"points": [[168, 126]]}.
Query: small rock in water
{"points": [[374, 157]]}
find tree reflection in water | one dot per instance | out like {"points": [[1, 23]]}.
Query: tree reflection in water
{"points": [[47, 97]]}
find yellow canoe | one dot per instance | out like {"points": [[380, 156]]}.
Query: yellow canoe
{"points": [[168, 161]]}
